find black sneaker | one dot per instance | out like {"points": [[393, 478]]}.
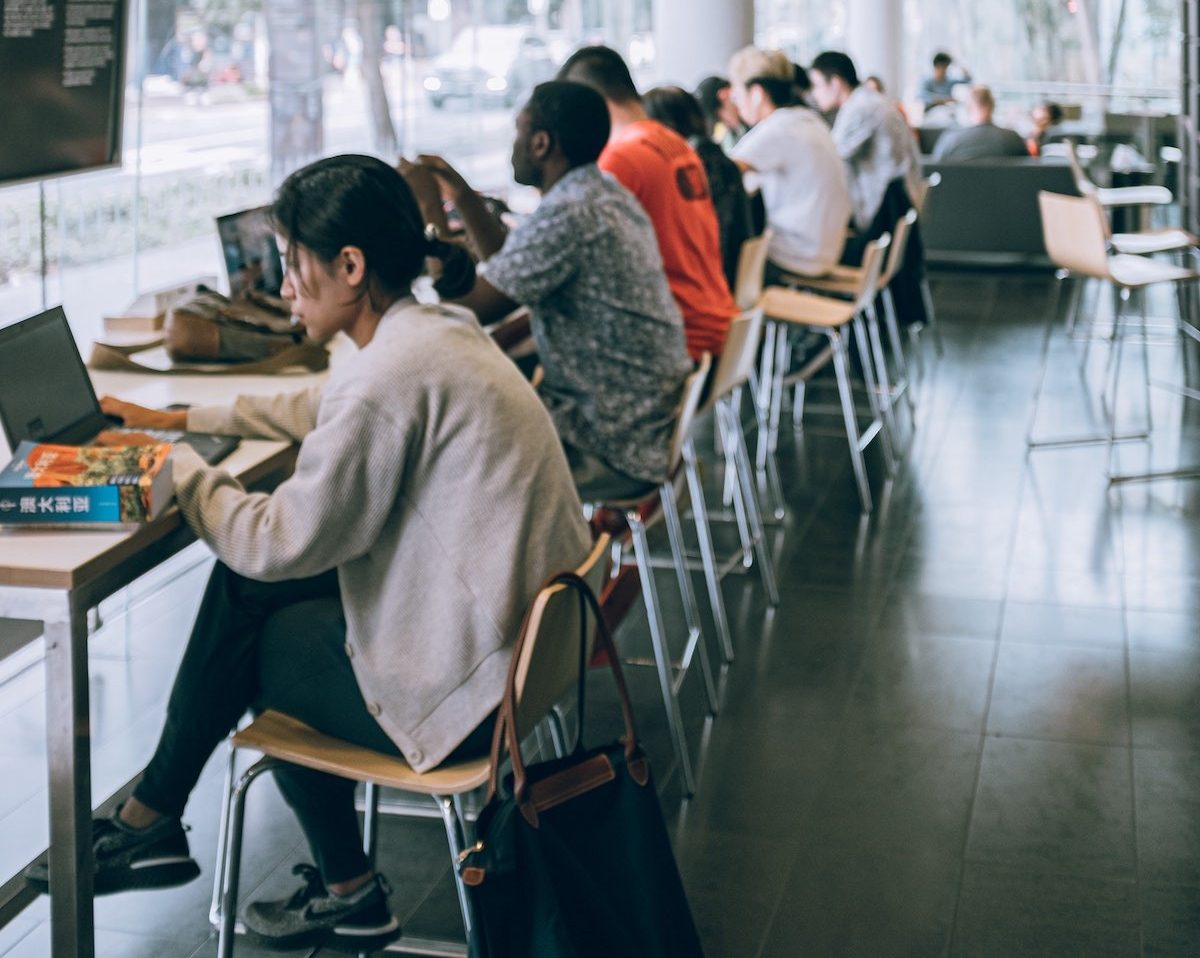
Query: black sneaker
{"points": [[131, 858], [360, 920]]}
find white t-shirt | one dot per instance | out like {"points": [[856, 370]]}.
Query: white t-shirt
{"points": [[804, 188]]}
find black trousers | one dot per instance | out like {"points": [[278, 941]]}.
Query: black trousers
{"points": [[258, 645]]}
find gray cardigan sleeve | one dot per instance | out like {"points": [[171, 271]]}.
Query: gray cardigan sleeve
{"points": [[287, 416], [347, 478]]}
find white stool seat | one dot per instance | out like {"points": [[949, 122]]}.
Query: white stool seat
{"points": [[1134, 271], [1154, 241], [1133, 195]]}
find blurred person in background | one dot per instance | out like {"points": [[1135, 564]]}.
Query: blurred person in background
{"points": [[674, 107], [982, 138]]}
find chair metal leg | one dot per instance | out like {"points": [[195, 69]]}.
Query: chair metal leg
{"points": [[662, 658], [885, 432], [842, 374], [708, 558], [227, 931], [930, 318], [884, 390], [371, 823], [758, 534], [456, 839], [1117, 349], [558, 731], [766, 463], [781, 353], [904, 385], [214, 910], [691, 609]]}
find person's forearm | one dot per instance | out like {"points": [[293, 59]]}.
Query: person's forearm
{"points": [[484, 231]]}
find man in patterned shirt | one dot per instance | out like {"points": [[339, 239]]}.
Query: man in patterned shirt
{"points": [[586, 264]]}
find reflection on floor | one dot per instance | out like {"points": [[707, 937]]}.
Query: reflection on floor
{"points": [[970, 728]]}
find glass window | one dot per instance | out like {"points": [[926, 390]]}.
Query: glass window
{"points": [[225, 99]]}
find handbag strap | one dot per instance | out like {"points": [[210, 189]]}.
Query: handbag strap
{"points": [[504, 735], [117, 358]]}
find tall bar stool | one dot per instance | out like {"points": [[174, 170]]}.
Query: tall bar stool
{"points": [[919, 201], [639, 515], [546, 671], [846, 282], [733, 372], [1075, 232], [1110, 197], [834, 319]]}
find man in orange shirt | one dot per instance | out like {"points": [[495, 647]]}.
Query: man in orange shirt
{"points": [[665, 174]]}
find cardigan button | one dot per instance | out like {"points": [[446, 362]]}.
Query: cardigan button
{"points": [[349, 651], [375, 709], [415, 756]]}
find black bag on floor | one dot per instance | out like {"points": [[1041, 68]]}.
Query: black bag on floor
{"points": [[573, 858]]}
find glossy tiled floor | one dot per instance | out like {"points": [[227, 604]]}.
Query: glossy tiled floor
{"points": [[972, 726]]}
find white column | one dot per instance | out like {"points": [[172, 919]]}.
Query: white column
{"points": [[695, 38], [875, 40]]}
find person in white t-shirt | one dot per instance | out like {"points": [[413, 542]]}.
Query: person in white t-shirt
{"points": [[789, 155]]}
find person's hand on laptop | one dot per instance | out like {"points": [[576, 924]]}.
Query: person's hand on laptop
{"points": [[142, 417]]}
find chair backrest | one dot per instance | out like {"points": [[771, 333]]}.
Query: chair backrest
{"points": [[693, 389], [752, 263], [738, 356], [1074, 232], [895, 257], [872, 269], [547, 668], [922, 196], [1085, 186]]}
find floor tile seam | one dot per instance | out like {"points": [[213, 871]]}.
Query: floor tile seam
{"points": [[1078, 646], [821, 788], [991, 686], [1122, 560], [1053, 740], [1193, 752], [1039, 872]]}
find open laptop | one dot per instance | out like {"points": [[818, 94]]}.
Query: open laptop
{"points": [[47, 396], [249, 252]]}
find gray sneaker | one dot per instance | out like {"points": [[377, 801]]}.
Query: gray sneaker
{"points": [[360, 920], [131, 858]]}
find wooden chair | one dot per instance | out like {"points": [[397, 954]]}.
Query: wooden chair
{"points": [[1075, 231], [733, 372], [847, 282], [834, 318], [639, 515], [546, 671]]}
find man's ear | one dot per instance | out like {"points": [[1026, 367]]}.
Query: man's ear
{"points": [[541, 144]]}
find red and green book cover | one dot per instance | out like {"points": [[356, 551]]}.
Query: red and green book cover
{"points": [[47, 484]]}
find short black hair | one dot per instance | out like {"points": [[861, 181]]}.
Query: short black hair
{"points": [[674, 107], [779, 91], [603, 69], [574, 115], [834, 64], [708, 95], [800, 78], [1054, 111], [942, 59]]}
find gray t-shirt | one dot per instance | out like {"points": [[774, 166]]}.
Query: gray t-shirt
{"points": [[978, 142], [607, 330], [878, 147]]}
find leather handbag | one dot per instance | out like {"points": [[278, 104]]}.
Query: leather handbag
{"points": [[210, 333], [573, 858]]}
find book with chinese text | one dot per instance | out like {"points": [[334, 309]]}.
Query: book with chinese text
{"points": [[105, 486]]}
